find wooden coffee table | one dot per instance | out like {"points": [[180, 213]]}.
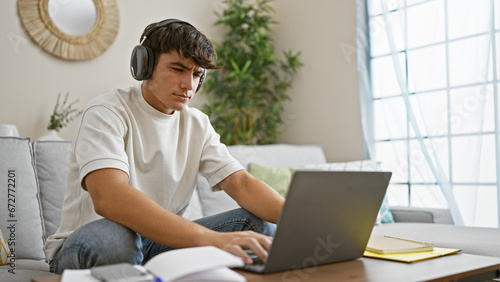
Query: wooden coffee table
{"points": [[448, 268]]}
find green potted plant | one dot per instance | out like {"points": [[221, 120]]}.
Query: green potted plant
{"points": [[63, 114], [245, 97]]}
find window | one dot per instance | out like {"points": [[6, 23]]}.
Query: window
{"points": [[431, 111]]}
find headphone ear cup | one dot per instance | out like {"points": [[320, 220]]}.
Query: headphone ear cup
{"points": [[202, 79], [151, 62], [142, 62]]}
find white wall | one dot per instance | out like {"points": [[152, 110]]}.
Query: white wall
{"points": [[324, 108]]}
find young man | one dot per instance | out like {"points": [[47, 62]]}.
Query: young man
{"points": [[134, 162]]}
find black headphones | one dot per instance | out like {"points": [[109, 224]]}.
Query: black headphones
{"points": [[142, 61]]}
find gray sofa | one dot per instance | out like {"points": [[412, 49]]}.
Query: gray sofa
{"points": [[39, 172]]}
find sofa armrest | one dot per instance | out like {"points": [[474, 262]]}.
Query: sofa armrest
{"points": [[423, 215]]}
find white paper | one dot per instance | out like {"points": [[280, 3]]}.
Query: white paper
{"points": [[78, 275], [177, 264], [220, 274]]}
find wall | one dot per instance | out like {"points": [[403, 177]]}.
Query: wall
{"points": [[324, 108]]}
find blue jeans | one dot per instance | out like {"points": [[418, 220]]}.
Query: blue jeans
{"points": [[103, 241]]}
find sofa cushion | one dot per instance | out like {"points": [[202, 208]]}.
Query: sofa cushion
{"points": [[213, 202], [4, 250], [362, 165], [25, 270], [278, 155], [51, 162], [275, 155], [385, 214], [20, 217], [422, 215], [194, 210], [278, 178]]}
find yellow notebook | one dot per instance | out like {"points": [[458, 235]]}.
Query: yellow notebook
{"points": [[396, 245], [413, 257]]}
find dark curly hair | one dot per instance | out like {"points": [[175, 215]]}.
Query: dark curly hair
{"points": [[183, 38]]}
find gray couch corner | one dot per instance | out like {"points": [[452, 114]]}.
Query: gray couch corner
{"points": [[38, 170], [422, 215]]}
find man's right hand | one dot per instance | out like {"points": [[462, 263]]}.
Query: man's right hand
{"points": [[239, 241]]}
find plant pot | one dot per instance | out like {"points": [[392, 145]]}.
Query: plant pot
{"points": [[9, 130], [51, 135]]}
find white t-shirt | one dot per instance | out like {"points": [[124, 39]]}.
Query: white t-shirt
{"points": [[162, 155]]}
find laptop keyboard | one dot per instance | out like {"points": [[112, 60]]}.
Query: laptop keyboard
{"points": [[257, 266], [254, 257]]}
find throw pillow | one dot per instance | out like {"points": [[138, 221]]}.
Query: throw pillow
{"points": [[20, 212], [51, 162], [279, 179], [385, 215], [4, 250]]}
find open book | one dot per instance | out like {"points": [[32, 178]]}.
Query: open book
{"points": [[405, 250], [195, 264], [396, 245], [188, 264]]}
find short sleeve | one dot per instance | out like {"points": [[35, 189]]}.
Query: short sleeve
{"points": [[100, 142], [216, 162]]}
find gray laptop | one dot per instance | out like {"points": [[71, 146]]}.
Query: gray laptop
{"points": [[328, 217]]}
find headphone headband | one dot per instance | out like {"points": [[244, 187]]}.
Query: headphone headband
{"points": [[142, 60], [162, 24]]}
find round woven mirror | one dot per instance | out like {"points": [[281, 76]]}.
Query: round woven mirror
{"points": [[71, 29]]}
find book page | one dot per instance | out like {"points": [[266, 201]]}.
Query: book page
{"points": [[220, 274], [78, 275], [176, 264], [390, 245]]}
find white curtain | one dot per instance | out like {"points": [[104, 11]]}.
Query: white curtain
{"points": [[429, 79]]}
